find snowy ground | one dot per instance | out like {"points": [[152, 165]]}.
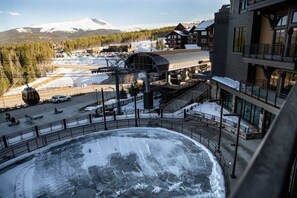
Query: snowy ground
{"points": [[64, 77], [77, 59], [132, 162], [213, 109]]}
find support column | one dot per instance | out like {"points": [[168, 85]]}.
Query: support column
{"points": [[234, 104], [148, 95], [280, 82], [168, 78], [262, 121]]}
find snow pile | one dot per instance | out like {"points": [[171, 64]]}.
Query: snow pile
{"points": [[144, 46], [141, 162], [213, 109], [85, 24]]}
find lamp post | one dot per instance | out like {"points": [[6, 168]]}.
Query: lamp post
{"points": [[221, 119], [135, 108], [236, 144], [103, 107], [96, 94]]}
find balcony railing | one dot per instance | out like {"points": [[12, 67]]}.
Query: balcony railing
{"points": [[278, 52], [254, 2], [266, 95], [272, 170], [250, 2]]}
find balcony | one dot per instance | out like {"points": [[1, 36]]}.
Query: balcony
{"points": [[260, 4], [277, 55], [272, 172]]}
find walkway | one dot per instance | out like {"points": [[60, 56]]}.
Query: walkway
{"points": [[245, 151]]}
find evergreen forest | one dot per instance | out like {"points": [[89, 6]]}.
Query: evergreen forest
{"points": [[35, 58]]}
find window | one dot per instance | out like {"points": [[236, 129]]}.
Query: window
{"points": [[203, 40], [294, 19], [239, 39], [282, 21], [203, 33], [242, 5], [280, 36]]}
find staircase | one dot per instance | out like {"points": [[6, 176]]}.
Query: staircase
{"points": [[200, 91]]}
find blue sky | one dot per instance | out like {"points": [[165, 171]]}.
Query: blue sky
{"points": [[21, 13]]}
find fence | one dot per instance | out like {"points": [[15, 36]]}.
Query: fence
{"points": [[176, 124]]}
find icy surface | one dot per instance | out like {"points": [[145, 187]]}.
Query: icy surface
{"points": [[134, 162]]}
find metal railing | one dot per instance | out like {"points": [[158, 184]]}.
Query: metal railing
{"points": [[266, 95], [272, 170], [186, 128], [279, 52]]}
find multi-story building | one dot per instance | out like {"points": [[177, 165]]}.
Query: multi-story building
{"points": [[177, 38], [255, 46], [203, 35]]}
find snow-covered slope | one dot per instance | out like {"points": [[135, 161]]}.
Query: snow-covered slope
{"points": [[85, 24]]}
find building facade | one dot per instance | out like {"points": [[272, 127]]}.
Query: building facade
{"points": [[255, 45], [201, 35], [177, 38]]}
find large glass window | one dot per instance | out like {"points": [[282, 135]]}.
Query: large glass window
{"points": [[288, 82], [282, 21], [242, 5], [249, 111], [294, 19], [280, 36], [228, 99], [239, 39]]}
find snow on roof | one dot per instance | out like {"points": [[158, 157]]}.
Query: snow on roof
{"points": [[192, 46], [204, 25], [180, 32], [227, 81]]}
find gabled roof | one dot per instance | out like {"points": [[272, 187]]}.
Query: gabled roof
{"points": [[203, 25]]}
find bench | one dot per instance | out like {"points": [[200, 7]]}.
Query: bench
{"points": [[14, 123], [58, 111], [37, 117]]}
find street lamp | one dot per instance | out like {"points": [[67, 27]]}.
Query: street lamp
{"points": [[103, 107], [135, 108], [236, 145], [221, 118]]}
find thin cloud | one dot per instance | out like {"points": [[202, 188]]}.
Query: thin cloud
{"points": [[14, 13], [10, 13], [164, 13]]}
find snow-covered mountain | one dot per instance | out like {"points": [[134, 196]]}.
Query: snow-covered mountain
{"points": [[85, 24]]}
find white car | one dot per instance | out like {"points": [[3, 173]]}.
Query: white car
{"points": [[60, 98]]}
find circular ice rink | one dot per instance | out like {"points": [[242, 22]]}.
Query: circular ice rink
{"points": [[131, 162]]}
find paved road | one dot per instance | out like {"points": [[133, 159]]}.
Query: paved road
{"points": [[70, 109]]}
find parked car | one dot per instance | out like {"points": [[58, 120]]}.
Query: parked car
{"points": [[60, 98]]}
